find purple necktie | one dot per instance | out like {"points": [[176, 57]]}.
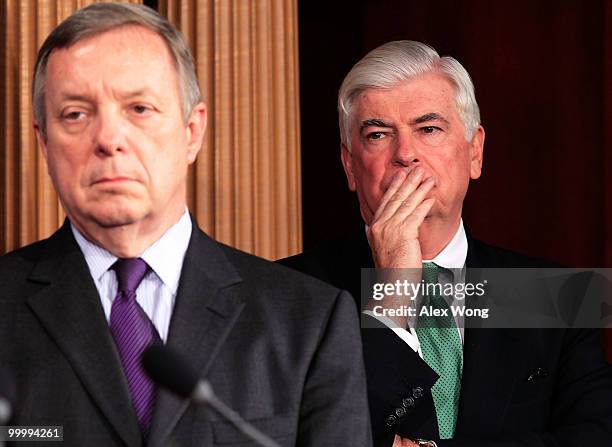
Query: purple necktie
{"points": [[133, 332]]}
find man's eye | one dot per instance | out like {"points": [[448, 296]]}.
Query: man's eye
{"points": [[140, 109], [430, 129], [74, 116], [375, 135]]}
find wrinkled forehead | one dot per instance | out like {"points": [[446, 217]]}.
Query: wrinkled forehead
{"points": [[419, 95], [133, 37], [130, 55]]}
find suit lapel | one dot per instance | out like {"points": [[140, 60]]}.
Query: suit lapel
{"points": [[489, 377], [489, 360], [69, 308], [207, 306]]}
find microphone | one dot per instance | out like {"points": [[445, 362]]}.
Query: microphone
{"points": [[170, 370], [7, 395]]}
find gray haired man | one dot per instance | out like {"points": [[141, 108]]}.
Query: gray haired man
{"points": [[411, 141], [120, 118]]}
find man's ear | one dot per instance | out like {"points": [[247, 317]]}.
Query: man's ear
{"points": [[476, 153], [196, 128], [347, 163], [42, 140]]}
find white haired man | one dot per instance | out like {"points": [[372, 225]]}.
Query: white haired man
{"points": [[411, 141]]}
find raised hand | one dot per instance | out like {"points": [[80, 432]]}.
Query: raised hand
{"points": [[394, 231]]}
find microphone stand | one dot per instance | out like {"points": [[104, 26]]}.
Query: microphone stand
{"points": [[205, 394], [5, 415]]}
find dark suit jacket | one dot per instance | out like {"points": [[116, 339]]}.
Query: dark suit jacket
{"points": [[279, 347], [528, 387]]}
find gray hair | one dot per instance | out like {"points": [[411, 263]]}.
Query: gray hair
{"points": [[399, 61], [99, 18]]}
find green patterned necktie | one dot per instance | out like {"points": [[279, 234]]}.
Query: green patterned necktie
{"points": [[442, 350]]}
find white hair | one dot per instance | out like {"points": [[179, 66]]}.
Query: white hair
{"points": [[398, 61]]}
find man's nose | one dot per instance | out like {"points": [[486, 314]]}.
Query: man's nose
{"points": [[110, 133], [406, 152]]}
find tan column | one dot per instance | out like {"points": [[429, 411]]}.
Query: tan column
{"points": [[245, 186]]}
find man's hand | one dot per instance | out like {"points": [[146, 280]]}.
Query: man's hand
{"points": [[394, 230], [403, 442], [394, 234]]}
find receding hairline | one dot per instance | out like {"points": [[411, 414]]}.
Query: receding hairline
{"points": [[135, 27], [180, 56], [88, 40], [355, 97]]}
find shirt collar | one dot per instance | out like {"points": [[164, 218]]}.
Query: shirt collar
{"points": [[453, 256], [165, 256], [98, 259]]}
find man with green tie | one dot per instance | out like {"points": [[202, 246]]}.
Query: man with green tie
{"points": [[411, 141]]}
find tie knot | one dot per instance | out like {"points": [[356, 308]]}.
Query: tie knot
{"points": [[130, 273], [430, 272]]}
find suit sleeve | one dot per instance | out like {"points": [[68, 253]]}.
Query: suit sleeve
{"points": [[581, 413], [334, 409], [398, 380]]}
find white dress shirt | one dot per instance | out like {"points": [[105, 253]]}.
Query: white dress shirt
{"points": [[156, 293], [452, 257]]}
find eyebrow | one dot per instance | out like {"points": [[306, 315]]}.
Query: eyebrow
{"points": [[374, 122], [136, 93], [433, 116], [74, 97], [66, 96]]}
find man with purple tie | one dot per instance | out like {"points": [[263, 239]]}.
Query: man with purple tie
{"points": [[119, 118]]}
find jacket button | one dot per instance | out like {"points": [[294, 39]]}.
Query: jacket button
{"points": [[400, 411], [417, 392], [408, 402], [391, 420]]}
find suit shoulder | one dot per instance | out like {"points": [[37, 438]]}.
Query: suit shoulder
{"points": [[313, 262], [21, 260], [330, 258], [481, 254], [15, 268], [274, 275]]}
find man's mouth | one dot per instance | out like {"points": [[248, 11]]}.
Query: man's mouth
{"points": [[112, 180]]}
